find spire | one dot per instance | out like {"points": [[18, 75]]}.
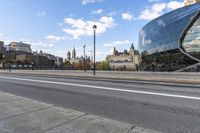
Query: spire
{"points": [[68, 55], [132, 49], [132, 46], [114, 50], [74, 53]]}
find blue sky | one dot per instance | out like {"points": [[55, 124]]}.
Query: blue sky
{"points": [[56, 26]]}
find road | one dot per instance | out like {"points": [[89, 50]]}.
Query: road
{"points": [[163, 107], [172, 77]]}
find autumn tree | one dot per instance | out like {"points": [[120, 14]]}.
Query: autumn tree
{"points": [[103, 65]]}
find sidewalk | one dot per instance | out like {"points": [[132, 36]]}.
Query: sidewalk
{"points": [[22, 115], [168, 77]]}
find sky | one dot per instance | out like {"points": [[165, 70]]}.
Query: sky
{"points": [[58, 26]]}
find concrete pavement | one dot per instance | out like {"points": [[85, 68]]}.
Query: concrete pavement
{"points": [[160, 107], [22, 115]]}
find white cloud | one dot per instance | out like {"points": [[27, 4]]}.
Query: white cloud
{"points": [[127, 16], [102, 53], [99, 11], [112, 13], [108, 22], [37, 43], [158, 9], [40, 44], [117, 43], [41, 14], [59, 23], [153, 12], [80, 27], [6, 41], [154, 0], [85, 2], [54, 38], [174, 5]]}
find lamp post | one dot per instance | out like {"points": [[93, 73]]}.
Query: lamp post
{"points": [[84, 57], [94, 28], [32, 62], [3, 57]]}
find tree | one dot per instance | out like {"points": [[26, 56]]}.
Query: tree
{"points": [[67, 64], [104, 65]]}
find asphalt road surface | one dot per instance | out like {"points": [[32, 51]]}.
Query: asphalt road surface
{"points": [[163, 107]]}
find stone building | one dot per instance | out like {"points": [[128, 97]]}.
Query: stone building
{"points": [[190, 2], [71, 56], [20, 56], [25, 58], [59, 63], [126, 60], [2, 53], [43, 60]]}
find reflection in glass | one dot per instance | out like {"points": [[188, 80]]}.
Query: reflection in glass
{"points": [[191, 41]]}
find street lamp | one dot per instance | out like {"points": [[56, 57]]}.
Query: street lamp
{"points": [[84, 57], [94, 28], [32, 62], [3, 56]]}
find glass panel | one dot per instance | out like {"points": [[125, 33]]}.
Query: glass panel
{"points": [[191, 41], [162, 34]]}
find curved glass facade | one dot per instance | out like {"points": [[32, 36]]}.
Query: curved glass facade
{"points": [[191, 42], [163, 33]]}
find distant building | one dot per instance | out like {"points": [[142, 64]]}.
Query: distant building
{"points": [[21, 56], [2, 53], [25, 58], [126, 60], [20, 47], [17, 48], [72, 58], [40, 61], [59, 62], [190, 2], [47, 61], [68, 55], [73, 53]]}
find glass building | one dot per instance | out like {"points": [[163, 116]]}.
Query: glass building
{"points": [[20, 47], [172, 41]]}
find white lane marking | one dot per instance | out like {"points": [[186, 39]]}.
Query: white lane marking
{"points": [[106, 88]]}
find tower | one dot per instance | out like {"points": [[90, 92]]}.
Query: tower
{"points": [[132, 49], [68, 55], [73, 53], [132, 46], [114, 50]]}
